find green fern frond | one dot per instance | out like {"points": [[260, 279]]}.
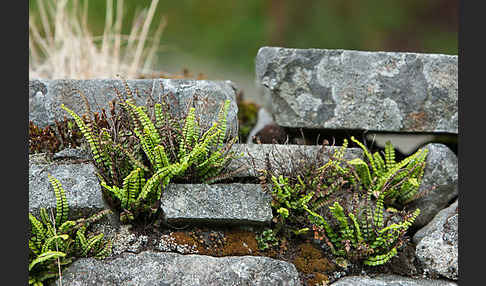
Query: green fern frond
{"points": [[47, 222], [381, 259], [160, 118], [105, 252], [378, 214], [338, 212], [362, 170], [367, 154], [357, 229], [187, 132], [222, 121], [91, 244], [81, 241], [67, 226], [38, 231], [380, 164], [62, 207], [97, 216], [147, 124], [49, 255], [389, 155], [153, 183], [50, 243], [98, 155], [161, 159], [132, 185]]}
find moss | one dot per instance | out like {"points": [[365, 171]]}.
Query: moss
{"points": [[310, 260], [319, 279], [240, 243]]}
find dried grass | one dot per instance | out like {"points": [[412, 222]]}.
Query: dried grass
{"points": [[62, 46]]}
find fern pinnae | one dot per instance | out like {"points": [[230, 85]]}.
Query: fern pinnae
{"points": [[49, 255], [47, 222], [367, 154], [38, 231], [62, 207], [103, 253], [380, 259], [50, 242], [380, 164], [80, 240], [88, 134], [222, 115], [91, 244], [378, 214], [389, 155], [187, 132]]}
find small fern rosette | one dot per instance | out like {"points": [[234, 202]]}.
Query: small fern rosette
{"points": [[147, 147]]}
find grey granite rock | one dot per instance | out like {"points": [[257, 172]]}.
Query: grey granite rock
{"points": [[437, 243], [83, 191], [156, 268], [283, 157], [73, 153], [343, 89], [441, 173], [390, 280], [46, 97], [219, 203]]}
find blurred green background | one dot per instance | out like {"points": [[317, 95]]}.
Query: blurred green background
{"points": [[221, 38]]}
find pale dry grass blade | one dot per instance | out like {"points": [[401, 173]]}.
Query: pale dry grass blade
{"points": [[143, 36], [45, 21], [118, 26], [155, 44], [73, 52]]}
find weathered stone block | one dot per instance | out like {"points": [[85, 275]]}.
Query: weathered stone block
{"points": [[219, 203], [159, 268], [342, 89], [281, 156], [46, 97], [79, 181], [441, 173], [437, 243], [390, 280]]}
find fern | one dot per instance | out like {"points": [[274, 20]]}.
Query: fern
{"points": [[62, 208], [52, 240], [98, 155], [400, 179], [141, 154]]}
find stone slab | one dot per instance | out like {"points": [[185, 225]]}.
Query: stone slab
{"points": [[46, 97], [218, 203], [158, 268], [344, 89], [285, 157], [440, 183], [79, 181], [437, 244], [390, 280]]}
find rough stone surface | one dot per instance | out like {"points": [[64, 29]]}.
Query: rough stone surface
{"points": [[342, 89], [73, 153], [79, 181], [441, 172], [218, 203], [283, 157], [437, 243], [46, 97], [156, 268], [390, 280]]}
